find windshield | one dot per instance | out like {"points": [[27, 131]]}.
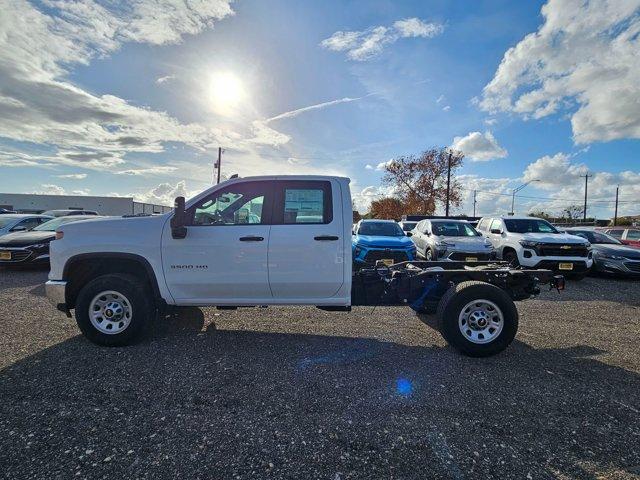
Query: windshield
{"points": [[6, 221], [382, 229], [526, 225], [453, 229], [408, 226], [596, 237], [51, 225]]}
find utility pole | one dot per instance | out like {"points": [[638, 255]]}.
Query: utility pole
{"points": [[218, 164], [586, 181], [474, 202], [516, 190], [448, 182], [615, 215]]}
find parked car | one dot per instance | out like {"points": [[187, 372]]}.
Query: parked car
{"points": [[628, 236], [4, 211], [610, 255], [15, 222], [375, 240], [31, 247], [452, 240], [407, 225], [535, 243], [69, 212]]}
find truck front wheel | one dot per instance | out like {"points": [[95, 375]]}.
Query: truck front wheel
{"points": [[477, 318], [114, 310]]}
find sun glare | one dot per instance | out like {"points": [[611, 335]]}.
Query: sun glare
{"points": [[227, 92]]}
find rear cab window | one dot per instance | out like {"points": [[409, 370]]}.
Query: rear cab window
{"points": [[303, 202]]}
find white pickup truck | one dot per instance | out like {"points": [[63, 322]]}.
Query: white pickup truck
{"points": [[277, 240]]}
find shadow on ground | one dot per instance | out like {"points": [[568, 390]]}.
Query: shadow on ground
{"points": [[194, 401]]}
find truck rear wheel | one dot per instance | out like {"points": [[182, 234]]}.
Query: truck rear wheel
{"points": [[114, 310], [477, 318]]}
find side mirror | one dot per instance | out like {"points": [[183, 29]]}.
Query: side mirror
{"points": [[497, 231], [179, 219], [409, 234], [19, 229]]}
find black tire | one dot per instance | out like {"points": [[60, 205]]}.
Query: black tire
{"points": [[511, 257], [429, 256], [456, 298], [135, 291]]}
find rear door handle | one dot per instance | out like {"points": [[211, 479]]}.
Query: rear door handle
{"points": [[251, 238], [324, 238]]}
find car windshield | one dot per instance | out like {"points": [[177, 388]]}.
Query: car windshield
{"points": [[526, 225], [4, 222], [51, 225], [453, 229], [596, 237], [408, 226], [382, 229]]}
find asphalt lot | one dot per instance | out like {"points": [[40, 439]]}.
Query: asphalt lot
{"points": [[301, 393]]}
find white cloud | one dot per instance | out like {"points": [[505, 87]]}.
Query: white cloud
{"points": [[479, 147], [383, 165], [363, 45], [318, 106], [446, 108], [440, 99], [368, 167], [165, 79], [39, 46], [74, 176], [145, 171], [563, 179], [585, 60], [50, 189], [83, 192], [164, 193]]}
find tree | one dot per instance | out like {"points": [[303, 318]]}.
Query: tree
{"points": [[387, 208], [420, 182], [356, 214], [540, 214], [573, 212]]}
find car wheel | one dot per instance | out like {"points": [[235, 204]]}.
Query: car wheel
{"points": [[477, 319], [511, 258], [429, 255], [114, 310]]}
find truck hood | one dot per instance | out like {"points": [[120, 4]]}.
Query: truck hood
{"points": [[550, 238], [382, 242], [114, 225]]}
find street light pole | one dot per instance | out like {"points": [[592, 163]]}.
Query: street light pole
{"points": [[516, 190]]}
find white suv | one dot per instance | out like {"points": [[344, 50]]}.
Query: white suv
{"points": [[535, 243]]}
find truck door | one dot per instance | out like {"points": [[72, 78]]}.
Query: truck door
{"points": [[223, 258], [306, 246]]}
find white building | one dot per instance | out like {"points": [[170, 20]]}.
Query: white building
{"points": [[33, 203]]}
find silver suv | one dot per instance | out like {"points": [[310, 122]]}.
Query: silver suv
{"points": [[451, 239]]}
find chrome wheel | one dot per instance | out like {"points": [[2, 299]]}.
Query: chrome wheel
{"points": [[110, 312], [481, 321]]}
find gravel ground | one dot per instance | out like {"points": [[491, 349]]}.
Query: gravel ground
{"points": [[301, 393]]}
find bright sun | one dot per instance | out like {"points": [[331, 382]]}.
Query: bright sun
{"points": [[226, 91]]}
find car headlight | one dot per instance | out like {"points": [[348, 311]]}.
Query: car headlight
{"points": [[528, 244], [609, 257], [444, 244]]}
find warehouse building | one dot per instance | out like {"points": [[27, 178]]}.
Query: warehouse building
{"points": [[33, 203]]}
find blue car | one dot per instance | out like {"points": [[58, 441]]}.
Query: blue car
{"points": [[374, 240]]}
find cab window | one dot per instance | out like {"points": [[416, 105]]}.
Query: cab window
{"points": [[240, 204], [496, 224], [633, 234], [303, 202]]}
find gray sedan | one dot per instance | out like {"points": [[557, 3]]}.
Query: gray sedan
{"points": [[451, 239], [610, 255]]}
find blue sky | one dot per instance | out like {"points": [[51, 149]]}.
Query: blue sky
{"points": [[134, 99]]}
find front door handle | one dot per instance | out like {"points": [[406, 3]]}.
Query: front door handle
{"points": [[324, 238], [251, 238]]}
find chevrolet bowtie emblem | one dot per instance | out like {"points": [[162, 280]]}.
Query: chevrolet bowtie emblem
{"points": [[565, 247]]}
